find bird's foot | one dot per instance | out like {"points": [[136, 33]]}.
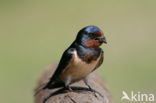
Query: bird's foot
{"points": [[102, 96], [94, 92], [68, 88]]}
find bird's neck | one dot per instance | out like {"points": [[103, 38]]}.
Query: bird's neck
{"points": [[91, 47], [88, 55]]}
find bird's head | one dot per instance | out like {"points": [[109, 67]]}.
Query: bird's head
{"points": [[91, 37]]}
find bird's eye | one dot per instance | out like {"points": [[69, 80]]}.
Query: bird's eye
{"points": [[93, 36]]}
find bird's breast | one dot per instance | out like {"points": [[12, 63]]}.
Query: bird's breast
{"points": [[78, 69]]}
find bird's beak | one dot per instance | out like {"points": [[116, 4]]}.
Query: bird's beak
{"points": [[102, 39]]}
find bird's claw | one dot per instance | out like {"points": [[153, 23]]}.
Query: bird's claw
{"points": [[94, 92], [68, 88]]}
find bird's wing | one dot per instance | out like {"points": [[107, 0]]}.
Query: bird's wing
{"points": [[66, 58], [100, 60]]}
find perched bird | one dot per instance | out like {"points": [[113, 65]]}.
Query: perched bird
{"points": [[82, 57]]}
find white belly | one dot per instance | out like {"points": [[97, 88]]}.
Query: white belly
{"points": [[78, 69]]}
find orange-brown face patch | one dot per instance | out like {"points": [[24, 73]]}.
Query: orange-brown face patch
{"points": [[93, 44]]}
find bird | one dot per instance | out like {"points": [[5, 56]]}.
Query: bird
{"points": [[80, 59]]}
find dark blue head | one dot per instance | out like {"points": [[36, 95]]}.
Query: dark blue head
{"points": [[90, 36], [91, 29]]}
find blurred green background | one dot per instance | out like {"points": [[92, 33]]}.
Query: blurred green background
{"points": [[34, 34]]}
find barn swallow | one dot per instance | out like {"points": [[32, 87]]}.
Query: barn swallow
{"points": [[82, 57]]}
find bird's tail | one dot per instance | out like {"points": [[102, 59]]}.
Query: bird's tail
{"points": [[44, 86], [38, 90], [48, 86]]}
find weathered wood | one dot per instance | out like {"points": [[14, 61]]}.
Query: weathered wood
{"points": [[80, 93]]}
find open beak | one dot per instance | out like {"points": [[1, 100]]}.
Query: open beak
{"points": [[102, 39]]}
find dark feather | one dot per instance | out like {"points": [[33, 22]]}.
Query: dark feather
{"points": [[100, 61], [66, 58]]}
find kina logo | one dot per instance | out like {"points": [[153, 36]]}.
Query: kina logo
{"points": [[138, 96]]}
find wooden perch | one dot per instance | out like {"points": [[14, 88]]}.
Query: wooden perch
{"points": [[80, 93]]}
